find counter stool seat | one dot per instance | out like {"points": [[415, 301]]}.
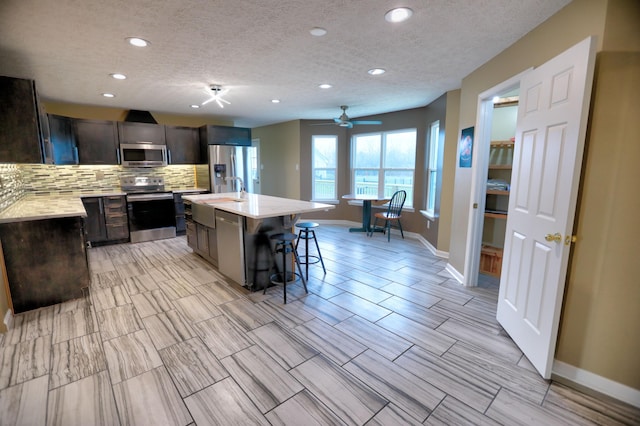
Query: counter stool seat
{"points": [[284, 245], [307, 233]]}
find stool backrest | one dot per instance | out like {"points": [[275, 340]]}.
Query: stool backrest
{"points": [[396, 203]]}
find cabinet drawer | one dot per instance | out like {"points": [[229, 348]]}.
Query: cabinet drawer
{"points": [[117, 231], [114, 204], [115, 219]]}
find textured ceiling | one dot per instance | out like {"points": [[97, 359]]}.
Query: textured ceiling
{"points": [[258, 50]]}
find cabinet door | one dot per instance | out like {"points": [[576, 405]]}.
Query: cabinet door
{"points": [[63, 140], [183, 145], [203, 238], [20, 138], [141, 133], [97, 141], [95, 227]]}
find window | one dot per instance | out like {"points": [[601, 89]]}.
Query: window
{"points": [[384, 163], [324, 162], [433, 148]]}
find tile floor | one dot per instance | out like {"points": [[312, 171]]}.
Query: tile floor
{"points": [[386, 337]]}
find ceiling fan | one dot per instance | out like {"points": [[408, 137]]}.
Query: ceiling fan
{"points": [[345, 121], [218, 93]]}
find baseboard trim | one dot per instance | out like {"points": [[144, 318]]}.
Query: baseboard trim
{"points": [[592, 381], [8, 319], [427, 244], [454, 272]]}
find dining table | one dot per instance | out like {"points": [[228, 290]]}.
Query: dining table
{"points": [[367, 200]]}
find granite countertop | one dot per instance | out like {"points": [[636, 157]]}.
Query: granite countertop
{"points": [[38, 207], [182, 191], [257, 206]]}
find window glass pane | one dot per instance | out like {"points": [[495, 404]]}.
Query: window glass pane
{"points": [[366, 182], [367, 151], [324, 151], [324, 184], [400, 150], [395, 180], [431, 201]]}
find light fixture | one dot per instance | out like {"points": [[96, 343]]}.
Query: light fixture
{"points": [[194, 106], [108, 95], [318, 31], [325, 86], [218, 93], [399, 14], [275, 101], [376, 71], [118, 76], [137, 42]]}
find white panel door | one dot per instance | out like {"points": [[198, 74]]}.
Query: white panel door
{"points": [[550, 133]]}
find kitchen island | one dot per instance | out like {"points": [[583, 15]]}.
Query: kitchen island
{"points": [[227, 229]]}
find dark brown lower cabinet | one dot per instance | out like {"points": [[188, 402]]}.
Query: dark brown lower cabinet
{"points": [[46, 261]]}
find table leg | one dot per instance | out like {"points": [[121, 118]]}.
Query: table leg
{"points": [[366, 217]]}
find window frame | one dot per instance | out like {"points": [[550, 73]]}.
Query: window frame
{"points": [[432, 170], [314, 195], [382, 169]]}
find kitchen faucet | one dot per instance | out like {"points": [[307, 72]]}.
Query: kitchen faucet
{"points": [[241, 188]]}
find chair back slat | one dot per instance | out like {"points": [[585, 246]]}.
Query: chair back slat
{"points": [[396, 203]]}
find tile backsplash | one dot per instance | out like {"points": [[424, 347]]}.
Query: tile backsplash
{"points": [[17, 180]]}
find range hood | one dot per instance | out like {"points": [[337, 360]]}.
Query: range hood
{"points": [[137, 116]]}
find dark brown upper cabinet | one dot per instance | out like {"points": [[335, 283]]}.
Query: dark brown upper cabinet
{"points": [[183, 145], [141, 133], [63, 140], [20, 130], [97, 141]]}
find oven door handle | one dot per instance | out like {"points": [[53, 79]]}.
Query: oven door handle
{"points": [[149, 197]]}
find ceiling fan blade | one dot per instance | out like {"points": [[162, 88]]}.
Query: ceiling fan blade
{"points": [[219, 103], [366, 122], [208, 100], [224, 100], [337, 120]]}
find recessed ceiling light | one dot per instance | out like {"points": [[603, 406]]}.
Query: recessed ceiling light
{"points": [[275, 101], [376, 71], [108, 95], [318, 32], [195, 106], [138, 42], [118, 76], [325, 86], [399, 14]]}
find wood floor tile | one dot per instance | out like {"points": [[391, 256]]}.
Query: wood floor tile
{"points": [[265, 382], [303, 409], [453, 412], [333, 343], [470, 388], [168, 328], [151, 303], [413, 331], [360, 306], [218, 293], [111, 297], [373, 336], [25, 361], [411, 294], [323, 289], [118, 321], [130, 355], [176, 288], [282, 345], [320, 308], [286, 315], [196, 308], [365, 291], [224, 403], [30, 325], [25, 403], [353, 401], [88, 401], [408, 391], [140, 284], [150, 399], [222, 336], [71, 324], [245, 314], [76, 359], [105, 279], [192, 366], [414, 311], [392, 415]]}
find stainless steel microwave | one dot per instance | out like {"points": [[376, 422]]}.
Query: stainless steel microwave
{"points": [[143, 155]]}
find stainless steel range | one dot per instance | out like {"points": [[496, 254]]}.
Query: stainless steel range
{"points": [[150, 208]]}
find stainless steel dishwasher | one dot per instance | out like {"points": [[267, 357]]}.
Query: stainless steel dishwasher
{"points": [[230, 229]]}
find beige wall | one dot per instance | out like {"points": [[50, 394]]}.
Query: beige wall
{"points": [[600, 324], [280, 154], [448, 170]]}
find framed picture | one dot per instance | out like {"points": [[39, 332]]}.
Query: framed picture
{"points": [[465, 148]]}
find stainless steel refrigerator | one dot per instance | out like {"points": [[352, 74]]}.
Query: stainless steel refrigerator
{"points": [[226, 163]]}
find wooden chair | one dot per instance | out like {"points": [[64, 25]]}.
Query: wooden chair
{"points": [[393, 213]]}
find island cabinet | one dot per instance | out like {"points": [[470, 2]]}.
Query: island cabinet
{"points": [[183, 145], [20, 116], [45, 261], [97, 141]]}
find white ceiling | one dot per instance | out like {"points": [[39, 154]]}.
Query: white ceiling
{"points": [[258, 50]]}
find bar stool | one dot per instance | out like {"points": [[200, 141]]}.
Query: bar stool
{"points": [[284, 245], [307, 233]]}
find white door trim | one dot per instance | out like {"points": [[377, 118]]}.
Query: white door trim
{"points": [[480, 164]]}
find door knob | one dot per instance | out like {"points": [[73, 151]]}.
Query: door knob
{"points": [[553, 237]]}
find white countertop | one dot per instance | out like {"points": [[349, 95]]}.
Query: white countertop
{"points": [[39, 207], [257, 206]]}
